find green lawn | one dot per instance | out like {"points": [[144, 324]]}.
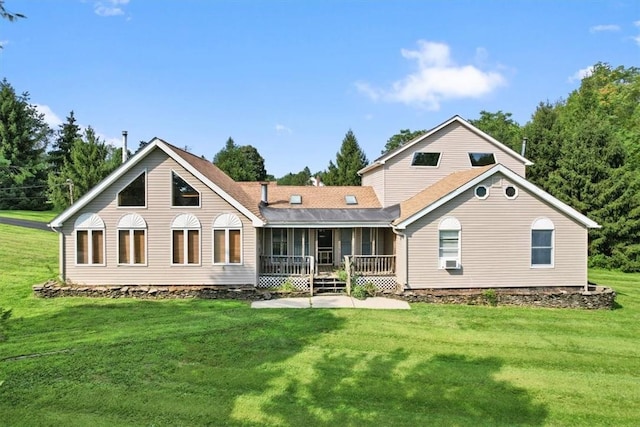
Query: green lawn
{"points": [[196, 362], [43, 216]]}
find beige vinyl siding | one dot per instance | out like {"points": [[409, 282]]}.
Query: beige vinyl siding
{"points": [[159, 215], [375, 179], [455, 142], [496, 244]]}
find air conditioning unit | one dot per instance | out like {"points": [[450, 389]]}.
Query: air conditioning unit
{"points": [[451, 264]]}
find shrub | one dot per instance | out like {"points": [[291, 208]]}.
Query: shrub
{"points": [[287, 287], [359, 292], [490, 296]]}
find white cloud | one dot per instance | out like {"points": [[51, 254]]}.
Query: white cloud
{"points": [[604, 27], [50, 117], [109, 7], [581, 74], [636, 23], [3, 43], [437, 78], [280, 129]]}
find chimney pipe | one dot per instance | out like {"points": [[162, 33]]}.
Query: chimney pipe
{"points": [[524, 146], [124, 146], [265, 193]]}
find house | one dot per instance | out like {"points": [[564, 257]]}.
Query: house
{"points": [[449, 209]]}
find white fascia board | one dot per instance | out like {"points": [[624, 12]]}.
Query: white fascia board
{"points": [[561, 206], [110, 179], [326, 224]]}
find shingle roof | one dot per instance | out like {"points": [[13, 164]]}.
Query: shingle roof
{"points": [[437, 191], [328, 197]]}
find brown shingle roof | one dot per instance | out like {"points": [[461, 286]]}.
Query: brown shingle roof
{"points": [[328, 197], [437, 191]]}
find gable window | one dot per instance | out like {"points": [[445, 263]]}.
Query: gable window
{"points": [[510, 192], [449, 243], [183, 194], [481, 192], [89, 230], [185, 240], [425, 159], [542, 243], [134, 194], [132, 240], [482, 159], [227, 239]]}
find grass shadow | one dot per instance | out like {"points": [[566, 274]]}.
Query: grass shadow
{"points": [[448, 389], [147, 362]]}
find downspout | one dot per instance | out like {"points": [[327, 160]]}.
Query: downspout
{"points": [[406, 257]]}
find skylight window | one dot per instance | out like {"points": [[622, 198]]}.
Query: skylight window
{"points": [[295, 199], [351, 200]]}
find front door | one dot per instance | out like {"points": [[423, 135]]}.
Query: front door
{"points": [[325, 247]]}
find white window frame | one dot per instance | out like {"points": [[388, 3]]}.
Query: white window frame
{"points": [[146, 189], [132, 223], [486, 188], [449, 224], [186, 223], [171, 193], [413, 157], [542, 224], [514, 196], [227, 222], [89, 222]]}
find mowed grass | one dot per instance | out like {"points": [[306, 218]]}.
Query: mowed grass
{"points": [[104, 362], [40, 216]]}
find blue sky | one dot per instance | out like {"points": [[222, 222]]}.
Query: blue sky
{"points": [[292, 77]]}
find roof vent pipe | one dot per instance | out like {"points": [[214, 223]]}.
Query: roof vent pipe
{"points": [[124, 146], [265, 193], [524, 146]]}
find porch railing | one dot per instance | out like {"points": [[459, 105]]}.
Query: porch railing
{"points": [[373, 265], [284, 265]]}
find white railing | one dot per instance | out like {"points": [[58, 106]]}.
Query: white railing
{"points": [[373, 265], [284, 265]]}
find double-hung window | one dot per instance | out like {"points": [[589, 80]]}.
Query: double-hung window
{"points": [[185, 240], [227, 239], [89, 229], [542, 243], [449, 243]]}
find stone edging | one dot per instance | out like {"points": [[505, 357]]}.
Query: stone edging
{"points": [[596, 297]]}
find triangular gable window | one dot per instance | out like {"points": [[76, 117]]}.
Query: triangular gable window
{"points": [[134, 194], [183, 194]]}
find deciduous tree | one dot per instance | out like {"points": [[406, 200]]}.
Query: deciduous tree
{"points": [[241, 163], [401, 138]]}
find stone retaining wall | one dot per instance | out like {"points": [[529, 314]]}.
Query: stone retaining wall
{"points": [[595, 298]]}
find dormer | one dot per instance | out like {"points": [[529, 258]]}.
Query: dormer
{"points": [[452, 146]]}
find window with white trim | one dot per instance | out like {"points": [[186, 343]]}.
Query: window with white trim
{"points": [[482, 159], [449, 243], [185, 240], [481, 192], [227, 239], [89, 231], [542, 235], [183, 194], [135, 193], [425, 159], [132, 240]]}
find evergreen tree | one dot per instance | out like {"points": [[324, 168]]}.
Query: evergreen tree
{"points": [[91, 160], [66, 136], [300, 178], [241, 163], [543, 143], [24, 136], [349, 160], [401, 138]]}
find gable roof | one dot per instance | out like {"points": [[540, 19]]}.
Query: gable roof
{"points": [[205, 171], [457, 183], [455, 119]]}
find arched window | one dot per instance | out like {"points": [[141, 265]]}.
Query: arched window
{"points": [[227, 239], [542, 240], [185, 240], [89, 230], [132, 240], [449, 243]]}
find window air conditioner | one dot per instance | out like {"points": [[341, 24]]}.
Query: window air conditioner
{"points": [[451, 264]]}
